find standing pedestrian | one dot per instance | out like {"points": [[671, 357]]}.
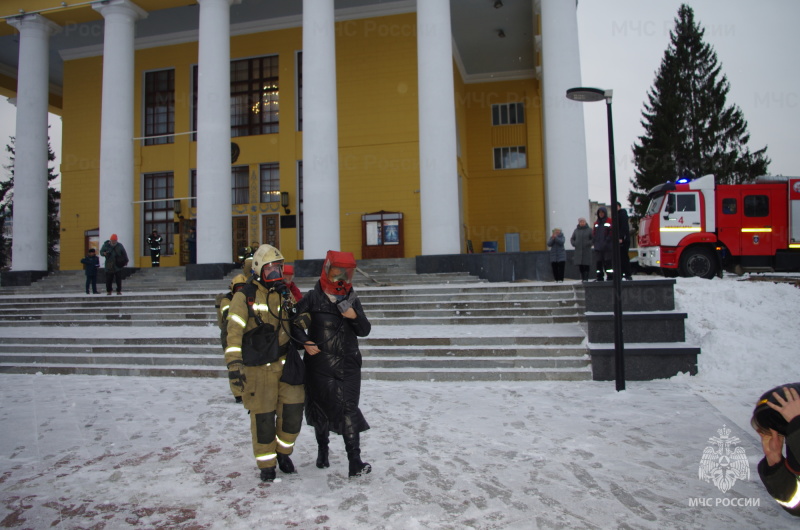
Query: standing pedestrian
{"points": [[288, 275], [624, 241], [90, 265], [258, 346], [602, 240], [116, 259], [191, 241], [558, 256], [582, 241], [334, 319], [154, 240]]}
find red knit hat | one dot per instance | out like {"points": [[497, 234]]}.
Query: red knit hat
{"points": [[113, 237]]}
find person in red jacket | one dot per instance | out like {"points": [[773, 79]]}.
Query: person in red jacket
{"points": [[288, 279], [776, 419]]}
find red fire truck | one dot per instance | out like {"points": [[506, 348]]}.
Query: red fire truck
{"points": [[699, 228]]}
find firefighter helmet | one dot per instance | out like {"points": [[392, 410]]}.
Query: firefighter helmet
{"points": [[266, 255], [238, 282], [765, 417]]}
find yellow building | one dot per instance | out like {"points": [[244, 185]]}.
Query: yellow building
{"points": [[501, 191]]}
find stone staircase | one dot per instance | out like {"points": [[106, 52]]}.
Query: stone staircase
{"points": [[425, 327]]}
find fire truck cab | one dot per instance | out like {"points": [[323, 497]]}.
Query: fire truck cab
{"points": [[698, 228]]}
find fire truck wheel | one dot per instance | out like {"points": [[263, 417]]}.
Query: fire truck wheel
{"points": [[698, 261]]}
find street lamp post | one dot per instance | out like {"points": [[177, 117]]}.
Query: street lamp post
{"points": [[588, 95]]}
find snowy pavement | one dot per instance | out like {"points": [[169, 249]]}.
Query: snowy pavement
{"points": [[125, 452]]}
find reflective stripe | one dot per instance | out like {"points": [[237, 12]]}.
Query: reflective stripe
{"points": [[225, 307], [233, 349], [260, 307], [266, 457], [794, 502], [748, 230], [284, 444], [680, 229], [238, 320]]}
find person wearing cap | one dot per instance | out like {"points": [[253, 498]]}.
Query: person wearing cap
{"points": [[288, 278], [776, 419], [558, 256], [116, 259], [335, 319]]}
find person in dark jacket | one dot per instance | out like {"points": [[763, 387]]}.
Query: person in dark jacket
{"points": [[90, 265], [581, 240], [558, 256], [154, 241], [116, 259], [602, 239], [776, 418], [624, 241], [335, 320]]}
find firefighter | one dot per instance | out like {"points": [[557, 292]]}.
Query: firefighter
{"points": [[154, 240], [222, 304], [776, 418], [259, 314]]}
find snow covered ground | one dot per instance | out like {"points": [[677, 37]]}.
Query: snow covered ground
{"points": [[131, 452]]}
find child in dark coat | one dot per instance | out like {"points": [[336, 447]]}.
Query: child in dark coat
{"points": [[90, 265]]}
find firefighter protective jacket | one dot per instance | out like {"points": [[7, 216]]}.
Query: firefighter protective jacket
{"points": [[783, 479], [267, 304]]}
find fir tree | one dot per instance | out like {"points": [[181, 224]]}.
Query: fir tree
{"points": [[690, 131], [7, 210]]}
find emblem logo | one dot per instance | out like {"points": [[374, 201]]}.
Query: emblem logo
{"points": [[723, 464]]}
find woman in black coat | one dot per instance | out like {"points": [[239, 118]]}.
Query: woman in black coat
{"points": [[334, 319]]}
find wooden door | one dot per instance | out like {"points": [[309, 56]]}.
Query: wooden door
{"points": [[239, 236], [270, 230]]}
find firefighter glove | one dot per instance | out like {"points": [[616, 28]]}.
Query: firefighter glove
{"points": [[236, 375]]}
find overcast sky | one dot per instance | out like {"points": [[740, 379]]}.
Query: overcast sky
{"points": [[622, 44]]}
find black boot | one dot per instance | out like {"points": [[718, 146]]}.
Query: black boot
{"points": [[268, 474], [352, 445], [286, 464], [322, 447]]}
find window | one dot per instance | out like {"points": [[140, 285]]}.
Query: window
{"points": [[240, 185], [508, 114], [270, 183], [194, 102], [728, 206], [300, 91], [686, 202], [300, 228], [158, 215], [510, 157], [159, 107], [193, 189], [756, 206], [254, 96]]}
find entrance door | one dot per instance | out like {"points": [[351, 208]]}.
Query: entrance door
{"points": [[239, 236], [270, 230]]}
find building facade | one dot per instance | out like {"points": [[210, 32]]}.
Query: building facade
{"points": [[380, 132]]}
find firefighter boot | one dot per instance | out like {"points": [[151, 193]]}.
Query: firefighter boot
{"points": [[268, 474], [322, 447], [352, 445], [286, 464]]}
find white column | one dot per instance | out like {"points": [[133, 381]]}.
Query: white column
{"points": [[214, 237], [438, 173], [320, 131], [116, 121], [566, 176], [29, 237]]}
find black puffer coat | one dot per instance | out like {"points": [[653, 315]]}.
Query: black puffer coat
{"points": [[333, 376]]}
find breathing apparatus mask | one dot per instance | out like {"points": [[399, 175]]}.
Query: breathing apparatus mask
{"points": [[337, 273]]}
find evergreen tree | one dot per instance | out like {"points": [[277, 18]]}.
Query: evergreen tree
{"points": [[7, 210], [689, 129]]}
